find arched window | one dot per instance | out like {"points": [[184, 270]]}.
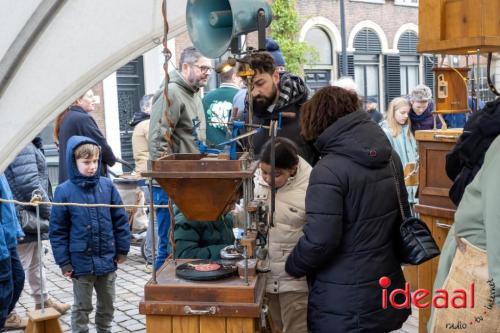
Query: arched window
{"points": [[367, 63], [318, 70], [409, 60]]}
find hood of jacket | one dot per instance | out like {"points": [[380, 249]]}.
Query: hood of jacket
{"points": [[176, 77], [74, 175], [138, 117], [358, 138]]}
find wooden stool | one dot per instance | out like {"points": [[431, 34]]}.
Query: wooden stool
{"points": [[44, 322]]}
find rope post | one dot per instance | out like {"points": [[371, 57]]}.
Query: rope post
{"points": [[152, 222], [36, 197]]}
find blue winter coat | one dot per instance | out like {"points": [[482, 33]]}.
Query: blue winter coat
{"points": [[87, 240], [28, 172], [10, 229]]}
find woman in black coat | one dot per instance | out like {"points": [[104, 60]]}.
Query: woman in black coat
{"points": [[27, 173], [76, 120], [352, 216]]}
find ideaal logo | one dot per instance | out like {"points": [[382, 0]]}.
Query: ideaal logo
{"points": [[458, 299]]}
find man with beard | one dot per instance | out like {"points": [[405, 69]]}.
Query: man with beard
{"points": [[186, 106], [274, 92]]}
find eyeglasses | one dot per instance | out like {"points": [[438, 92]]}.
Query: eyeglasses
{"points": [[204, 69]]}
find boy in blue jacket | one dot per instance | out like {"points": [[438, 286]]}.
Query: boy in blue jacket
{"points": [[89, 242], [11, 270]]}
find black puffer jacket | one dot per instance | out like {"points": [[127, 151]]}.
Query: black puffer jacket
{"points": [[352, 214], [28, 172]]}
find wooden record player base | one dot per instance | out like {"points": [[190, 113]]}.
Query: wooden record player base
{"points": [[199, 324]]}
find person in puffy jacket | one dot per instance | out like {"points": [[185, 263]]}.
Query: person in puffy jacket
{"points": [[352, 215], [88, 242], [11, 270], [26, 174], [287, 295]]}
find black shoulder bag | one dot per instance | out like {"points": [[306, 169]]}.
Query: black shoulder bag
{"points": [[414, 243]]}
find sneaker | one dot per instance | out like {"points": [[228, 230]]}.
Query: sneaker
{"points": [[148, 268], [14, 322], [62, 308]]}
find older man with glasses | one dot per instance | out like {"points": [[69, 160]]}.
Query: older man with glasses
{"points": [[185, 109]]}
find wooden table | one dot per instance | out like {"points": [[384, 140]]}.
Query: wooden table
{"points": [[176, 305]]}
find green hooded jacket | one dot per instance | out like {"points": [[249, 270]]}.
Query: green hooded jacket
{"points": [[186, 106], [200, 239]]}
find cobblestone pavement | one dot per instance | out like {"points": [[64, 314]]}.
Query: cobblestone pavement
{"points": [[129, 291]]}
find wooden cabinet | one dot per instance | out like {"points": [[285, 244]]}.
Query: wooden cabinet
{"points": [[174, 305], [435, 207], [458, 26]]}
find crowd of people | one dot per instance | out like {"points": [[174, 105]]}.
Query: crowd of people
{"points": [[333, 233]]}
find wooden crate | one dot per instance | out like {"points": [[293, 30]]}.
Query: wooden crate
{"points": [[231, 304], [458, 26]]}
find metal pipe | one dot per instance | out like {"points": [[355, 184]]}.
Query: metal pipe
{"points": [[152, 222], [36, 196], [343, 38]]}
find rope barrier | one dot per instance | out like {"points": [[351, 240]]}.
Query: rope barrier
{"points": [[35, 203]]}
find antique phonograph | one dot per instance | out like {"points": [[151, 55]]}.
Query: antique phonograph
{"points": [[224, 295]]}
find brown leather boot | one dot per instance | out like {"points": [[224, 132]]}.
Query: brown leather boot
{"points": [[62, 308]]}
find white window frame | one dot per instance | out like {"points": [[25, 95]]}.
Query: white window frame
{"points": [[370, 1], [407, 3]]}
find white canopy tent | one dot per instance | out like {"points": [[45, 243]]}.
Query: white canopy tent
{"points": [[82, 43]]}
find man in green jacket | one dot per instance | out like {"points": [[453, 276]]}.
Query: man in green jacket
{"points": [[183, 92]]}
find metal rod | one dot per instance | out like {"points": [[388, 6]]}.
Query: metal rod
{"points": [[37, 194], [343, 38], [152, 222], [273, 172], [476, 97], [245, 254]]}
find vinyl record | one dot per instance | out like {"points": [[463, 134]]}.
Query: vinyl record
{"points": [[205, 270]]}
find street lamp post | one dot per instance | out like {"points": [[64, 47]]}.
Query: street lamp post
{"points": [[344, 42]]}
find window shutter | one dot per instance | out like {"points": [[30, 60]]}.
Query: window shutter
{"points": [[367, 41], [428, 72], [350, 65], [392, 77], [407, 43]]}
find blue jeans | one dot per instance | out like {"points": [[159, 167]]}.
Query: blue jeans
{"points": [[160, 197], [11, 284]]}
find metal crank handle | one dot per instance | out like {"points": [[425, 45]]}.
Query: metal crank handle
{"points": [[211, 310]]}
